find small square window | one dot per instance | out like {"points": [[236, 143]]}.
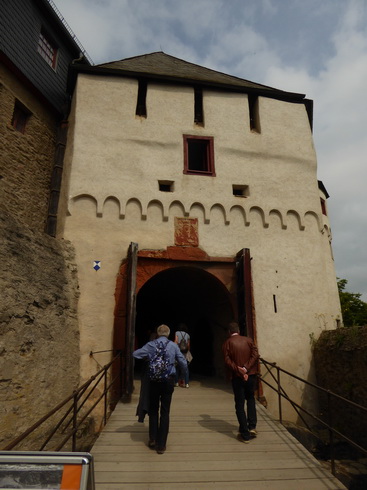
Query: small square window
{"points": [[20, 117], [166, 185], [199, 155], [47, 49], [240, 190]]}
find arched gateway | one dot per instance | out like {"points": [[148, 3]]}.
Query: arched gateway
{"points": [[182, 284]]}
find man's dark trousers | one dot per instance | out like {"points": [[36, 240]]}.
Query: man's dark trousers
{"points": [[245, 391], [159, 408]]}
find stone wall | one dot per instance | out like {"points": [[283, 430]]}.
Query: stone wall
{"points": [[39, 336], [341, 367], [39, 343], [26, 158]]}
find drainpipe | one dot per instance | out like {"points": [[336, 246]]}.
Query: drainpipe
{"points": [[56, 177]]}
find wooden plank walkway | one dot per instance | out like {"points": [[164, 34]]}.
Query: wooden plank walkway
{"points": [[202, 449]]}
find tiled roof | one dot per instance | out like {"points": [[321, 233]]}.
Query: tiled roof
{"points": [[162, 65]]}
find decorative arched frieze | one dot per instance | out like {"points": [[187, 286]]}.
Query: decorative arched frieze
{"points": [[278, 214], [316, 216], [329, 234], [221, 209], [168, 210], [260, 212], [179, 205], [199, 205], [160, 205], [133, 201], [111, 199], [85, 197], [144, 210], [327, 231], [241, 211], [297, 216]]}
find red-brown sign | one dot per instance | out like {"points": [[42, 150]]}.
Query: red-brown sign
{"points": [[186, 232]]}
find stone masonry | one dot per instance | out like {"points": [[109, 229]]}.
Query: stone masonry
{"points": [[39, 337], [26, 158], [39, 343]]}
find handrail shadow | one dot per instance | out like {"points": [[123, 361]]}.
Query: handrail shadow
{"points": [[329, 425], [77, 408], [217, 425]]}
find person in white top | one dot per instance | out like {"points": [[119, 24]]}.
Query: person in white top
{"points": [[182, 339]]}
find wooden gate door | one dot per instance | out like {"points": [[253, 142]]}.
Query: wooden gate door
{"points": [[246, 313], [132, 260]]}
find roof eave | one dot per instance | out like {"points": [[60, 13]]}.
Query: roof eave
{"points": [[323, 188], [60, 25], [93, 70]]}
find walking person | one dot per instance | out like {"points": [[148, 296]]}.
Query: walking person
{"points": [[162, 354], [182, 339], [240, 358]]}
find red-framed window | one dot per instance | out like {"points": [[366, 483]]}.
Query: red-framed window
{"points": [[323, 206], [47, 49], [199, 155]]}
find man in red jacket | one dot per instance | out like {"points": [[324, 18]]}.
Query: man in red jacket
{"points": [[240, 357]]}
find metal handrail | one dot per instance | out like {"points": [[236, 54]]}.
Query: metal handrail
{"points": [[75, 408], [282, 394]]}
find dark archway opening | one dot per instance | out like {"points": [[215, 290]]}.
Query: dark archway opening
{"points": [[192, 296]]}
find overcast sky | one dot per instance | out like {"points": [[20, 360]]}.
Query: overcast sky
{"points": [[314, 47]]}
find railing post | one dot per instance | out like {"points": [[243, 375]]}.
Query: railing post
{"points": [[75, 413], [105, 398], [279, 396], [121, 386], [331, 432]]}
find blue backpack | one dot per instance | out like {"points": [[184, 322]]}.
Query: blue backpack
{"points": [[159, 364]]}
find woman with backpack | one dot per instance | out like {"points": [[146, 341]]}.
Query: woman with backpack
{"points": [[182, 339]]}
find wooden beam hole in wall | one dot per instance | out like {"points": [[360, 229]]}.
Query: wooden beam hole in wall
{"points": [[198, 106], [141, 106], [166, 185], [253, 105], [240, 190]]}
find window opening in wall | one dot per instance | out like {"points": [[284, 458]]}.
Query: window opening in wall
{"points": [[20, 117], [198, 109], [240, 190], [141, 104], [199, 155], [47, 49], [253, 104], [275, 303], [166, 185], [323, 206]]}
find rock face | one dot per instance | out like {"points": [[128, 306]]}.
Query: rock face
{"points": [[39, 342], [341, 367]]}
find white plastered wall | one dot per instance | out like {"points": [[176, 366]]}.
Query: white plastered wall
{"points": [[110, 197]]}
